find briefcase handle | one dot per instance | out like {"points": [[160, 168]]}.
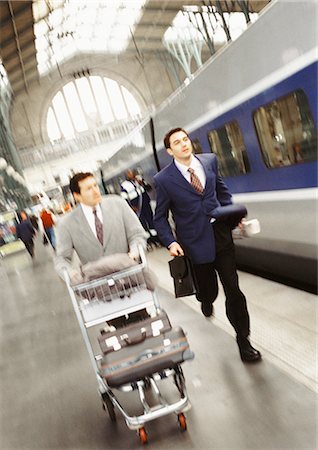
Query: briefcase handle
{"points": [[131, 340]]}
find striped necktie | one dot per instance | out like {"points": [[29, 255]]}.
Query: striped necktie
{"points": [[99, 227], [195, 181]]}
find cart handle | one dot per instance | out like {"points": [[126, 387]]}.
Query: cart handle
{"points": [[143, 259]]}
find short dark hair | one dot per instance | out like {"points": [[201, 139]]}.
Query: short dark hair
{"points": [[74, 186], [166, 139], [20, 216]]}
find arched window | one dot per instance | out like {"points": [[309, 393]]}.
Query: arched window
{"points": [[87, 103]]}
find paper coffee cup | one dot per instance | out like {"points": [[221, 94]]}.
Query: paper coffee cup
{"points": [[251, 227]]}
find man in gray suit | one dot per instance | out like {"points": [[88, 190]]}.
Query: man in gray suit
{"points": [[98, 226]]}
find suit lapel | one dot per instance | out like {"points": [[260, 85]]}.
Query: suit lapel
{"points": [[85, 229], [108, 224], [209, 173]]}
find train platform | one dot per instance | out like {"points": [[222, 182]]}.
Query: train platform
{"points": [[49, 397]]}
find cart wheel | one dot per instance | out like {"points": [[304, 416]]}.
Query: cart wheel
{"points": [[143, 436], [107, 404], [182, 422]]}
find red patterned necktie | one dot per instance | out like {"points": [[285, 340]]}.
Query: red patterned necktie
{"points": [[195, 181], [99, 227]]}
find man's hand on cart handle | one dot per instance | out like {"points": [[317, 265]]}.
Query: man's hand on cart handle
{"points": [[134, 254], [75, 276]]}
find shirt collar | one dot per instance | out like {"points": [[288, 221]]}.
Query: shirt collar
{"points": [[194, 164], [89, 209]]}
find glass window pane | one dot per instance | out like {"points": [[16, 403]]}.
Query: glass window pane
{"points": [[132, 105], [86, 96], [75, 107], [101, 99], [52, 127], [237, 24], [286, 131], [63, 116], [227, 143], [196, 146], [85, 104], [116, 99]]}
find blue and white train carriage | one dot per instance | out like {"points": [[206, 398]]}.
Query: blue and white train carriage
{"points": [[254, 104]]}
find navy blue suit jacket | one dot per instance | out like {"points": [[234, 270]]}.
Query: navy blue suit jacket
{"points": [[25, 231], [191, 210]]}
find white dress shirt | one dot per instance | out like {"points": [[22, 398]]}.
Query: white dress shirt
{"points": [[88, 213], [196, 166]]}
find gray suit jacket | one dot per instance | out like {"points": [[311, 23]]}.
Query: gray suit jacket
{"points": [[122, 232]]}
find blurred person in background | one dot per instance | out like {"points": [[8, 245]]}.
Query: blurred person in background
{"points": [[135, 191], [26, 232], [34, 221], [48, 225]]}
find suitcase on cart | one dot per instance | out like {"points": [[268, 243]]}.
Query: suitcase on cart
{"points": [[134, 333], [135, 352]]}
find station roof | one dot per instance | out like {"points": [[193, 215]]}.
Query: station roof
{"points": [[18, 19]]}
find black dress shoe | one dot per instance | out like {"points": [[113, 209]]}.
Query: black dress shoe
{"points": [[247, 352], [207, 308]]}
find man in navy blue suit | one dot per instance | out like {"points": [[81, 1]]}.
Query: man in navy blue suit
{"points": [[191, 188]]}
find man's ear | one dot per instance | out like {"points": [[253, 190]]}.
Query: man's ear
{"points": [[77, 197], [169, 151]]}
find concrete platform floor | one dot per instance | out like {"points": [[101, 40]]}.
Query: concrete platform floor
{"points": [[48, 392]]}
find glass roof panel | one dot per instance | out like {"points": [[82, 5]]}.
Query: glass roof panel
{"points": [[40, 28], [56, 17], [40, 9], [90, 26], [3, 75], [183, 30], [40, 45]]}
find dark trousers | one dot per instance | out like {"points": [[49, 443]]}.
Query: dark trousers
{"points": [[225, 265], [30, 247]]}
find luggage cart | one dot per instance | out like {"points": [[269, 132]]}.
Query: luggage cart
{"points": [[113, 296]]}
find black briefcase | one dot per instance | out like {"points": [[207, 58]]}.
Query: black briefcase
{"points": [[183, 276]]}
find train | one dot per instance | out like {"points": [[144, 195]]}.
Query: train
{"points": [[254, 104]]}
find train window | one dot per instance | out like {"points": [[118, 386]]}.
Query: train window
{"points": [[286, 131], [196, 146], [227, 143]]}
